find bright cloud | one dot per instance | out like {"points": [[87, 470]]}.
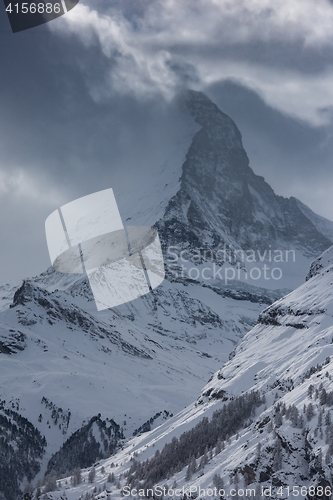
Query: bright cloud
{"points": [[20, 184]]}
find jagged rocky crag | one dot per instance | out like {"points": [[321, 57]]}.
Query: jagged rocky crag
{"points": [[221, 200]]}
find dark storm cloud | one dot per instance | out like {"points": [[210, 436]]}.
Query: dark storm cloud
{"points": [[50, 121], [58, 143]]}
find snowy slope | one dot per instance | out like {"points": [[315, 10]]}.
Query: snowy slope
{"points": [[151, 355], [143, 200], [288, 441]]}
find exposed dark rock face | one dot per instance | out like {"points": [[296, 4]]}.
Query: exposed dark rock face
{"points": [[222, 201]]}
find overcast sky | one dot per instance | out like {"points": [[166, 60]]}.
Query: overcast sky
{"points": [[86, 97]]}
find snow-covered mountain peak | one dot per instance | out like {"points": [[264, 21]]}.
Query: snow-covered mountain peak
{"points": [[223, 203]]}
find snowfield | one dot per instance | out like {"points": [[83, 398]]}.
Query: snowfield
{"points": [[287, 442]]}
